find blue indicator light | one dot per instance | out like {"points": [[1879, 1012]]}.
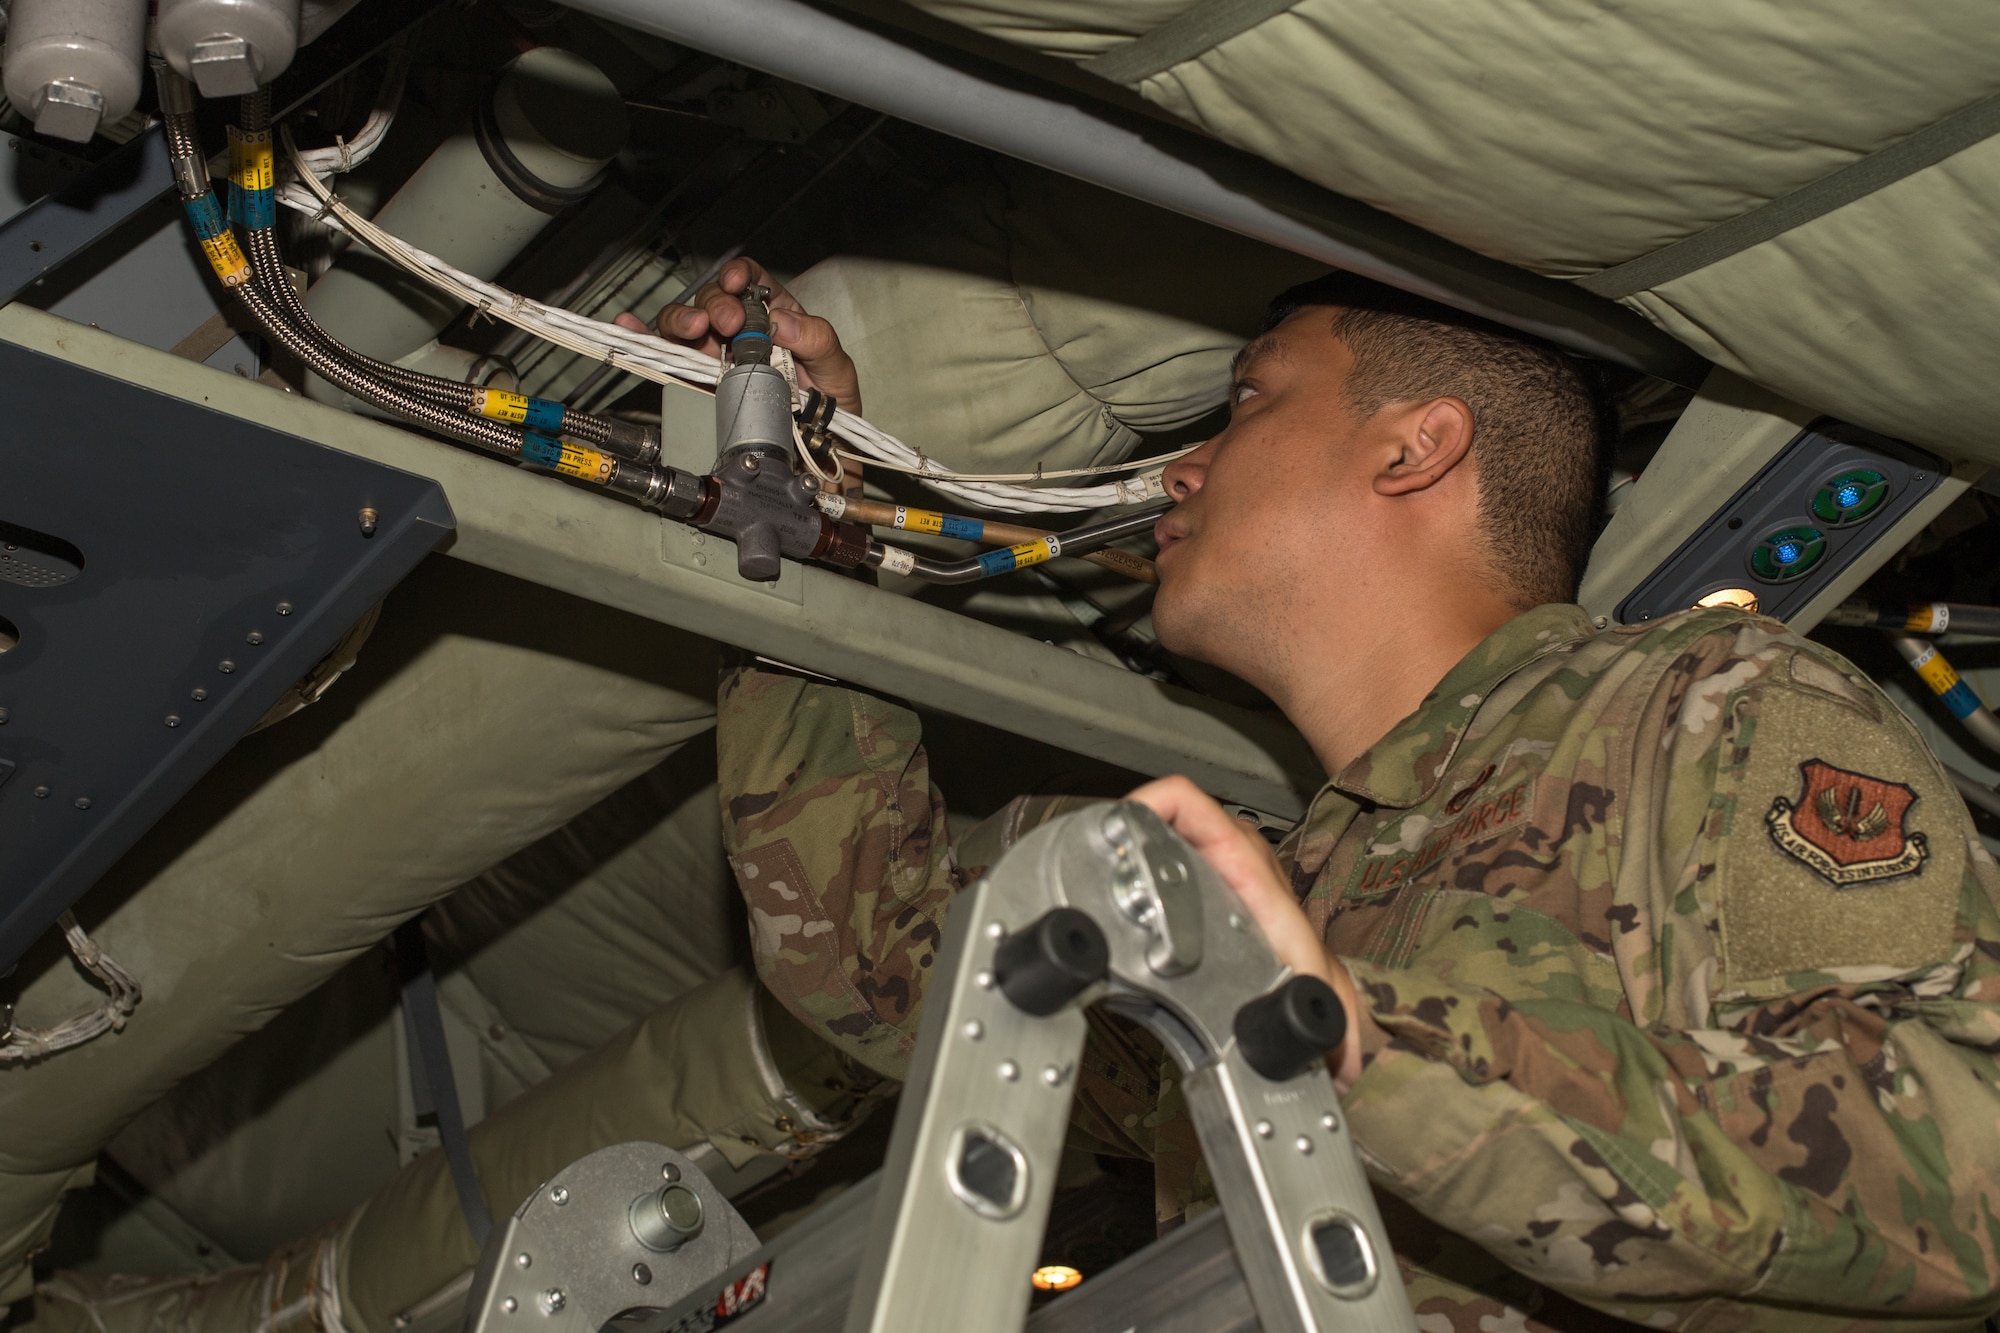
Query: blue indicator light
{"points": [[1787, 552], [1848, 496]]}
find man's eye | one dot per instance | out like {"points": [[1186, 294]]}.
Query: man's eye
{"points": [[1239, 392]]}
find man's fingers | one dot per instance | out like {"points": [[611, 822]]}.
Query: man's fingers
{"points": [[825, 363]]}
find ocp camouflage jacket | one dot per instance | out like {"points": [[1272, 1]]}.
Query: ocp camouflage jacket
{"points": [[1682, 957]]}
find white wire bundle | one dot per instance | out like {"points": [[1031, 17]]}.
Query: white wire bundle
{"points": [[662, 362]]}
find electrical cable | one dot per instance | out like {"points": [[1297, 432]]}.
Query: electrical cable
{"points": [[1974, 791], [662, 362], [1957, 696]]}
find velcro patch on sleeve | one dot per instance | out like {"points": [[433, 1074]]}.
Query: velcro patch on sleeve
{"points": [[1841, 849]]}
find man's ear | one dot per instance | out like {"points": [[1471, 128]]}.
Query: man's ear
{"points": [[1435, 437]]}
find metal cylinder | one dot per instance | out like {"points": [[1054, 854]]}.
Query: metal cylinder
{"points": [[73, 64], [541, 141], [229, 48]]}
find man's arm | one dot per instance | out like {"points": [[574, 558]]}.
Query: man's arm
{"points": [[1795, 1123]]}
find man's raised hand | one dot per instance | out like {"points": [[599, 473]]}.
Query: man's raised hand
{"points": [[716, 313]]}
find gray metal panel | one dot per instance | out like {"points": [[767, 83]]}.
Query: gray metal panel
{"points": [[53, 230], [202, 564], [586, 543]]}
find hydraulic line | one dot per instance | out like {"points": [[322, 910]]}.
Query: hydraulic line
{"points": [[901, 517], [1953, 692], [251, 162], [1920, 617], [1974, 791], [1076, 542]]}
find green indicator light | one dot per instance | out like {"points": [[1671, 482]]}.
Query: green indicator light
{"points": [[1850, 497], [1787, 554]]}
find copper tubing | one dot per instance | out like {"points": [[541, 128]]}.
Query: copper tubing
{"points": [[878, 514]]}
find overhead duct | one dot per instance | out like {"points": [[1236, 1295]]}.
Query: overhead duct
{"points": [[539, 143], [933, 86]]}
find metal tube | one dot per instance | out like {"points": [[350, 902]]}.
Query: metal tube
{"points": [[1176, 169], [1956, 695], [1920, 617], [1974, 791], [1075, 542], [878, 514]]}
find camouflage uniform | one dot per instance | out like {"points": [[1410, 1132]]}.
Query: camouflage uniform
{"points": [[1682, 957]]}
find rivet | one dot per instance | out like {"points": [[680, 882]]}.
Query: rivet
{"points": [[254, 637], [642, 1275], [510, 1305], [984, 981], [700, 559], [524, 1260], [1304, 1145], [973, 1029], [670, 1173], [1329, 1121], [559, 1195], [197, 694], [83, 803], [995, 931], [42, 793], [1263, 1129], [1009, 1071], [225, 666], [368, 519], [173, 719], [1053, 1076], [284, 608]]}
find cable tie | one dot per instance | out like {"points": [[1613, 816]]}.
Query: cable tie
{"points": [[346, 158]]}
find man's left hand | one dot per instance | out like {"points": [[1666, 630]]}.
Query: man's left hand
{"points": [[1248, 866]]}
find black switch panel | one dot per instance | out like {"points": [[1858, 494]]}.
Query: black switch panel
{"points": [[1829, 495]]}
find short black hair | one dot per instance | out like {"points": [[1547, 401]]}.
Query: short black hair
{"points": [[1540, 418]]}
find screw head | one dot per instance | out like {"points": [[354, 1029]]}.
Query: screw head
{"points": [[225, 666], [42, 793], [642, 1275], [368, 519], [83, 803], [559, 1195], [173, 719], [1053, 1076], [1304, 1145], [254, 637], [197, 694], [510, 1305], [1263, 1129], [1009, 1071], [670, 1173], [553, 1300], [973, 1029], [284, 608], [1329, 1121], [524, 1260]]}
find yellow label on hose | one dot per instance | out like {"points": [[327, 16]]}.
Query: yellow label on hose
{"points": [[1033, 553], [503, 406], [250, 160], [585, 463], [919, 520], [226, 258], [1927, 618], [1937, 672]]}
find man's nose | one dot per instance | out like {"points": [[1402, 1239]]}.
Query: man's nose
{"points": [[1183, 477]]}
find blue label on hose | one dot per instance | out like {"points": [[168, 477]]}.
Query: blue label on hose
{"points": [[1961, 700], [969, 529], [750, 333], [544, 416], [995, 562], [255, 210], [540, 450], [206, 214]]}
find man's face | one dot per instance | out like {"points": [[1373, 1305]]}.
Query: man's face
{"points": [[1255, 541]]}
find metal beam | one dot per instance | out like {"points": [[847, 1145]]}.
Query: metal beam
{"points": [[947, 90], [589, 544]]}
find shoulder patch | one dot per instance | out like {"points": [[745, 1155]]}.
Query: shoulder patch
{"points": [[1848, 827]]}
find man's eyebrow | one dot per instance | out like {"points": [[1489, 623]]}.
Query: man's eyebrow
{"points": [[1263, 345]]}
